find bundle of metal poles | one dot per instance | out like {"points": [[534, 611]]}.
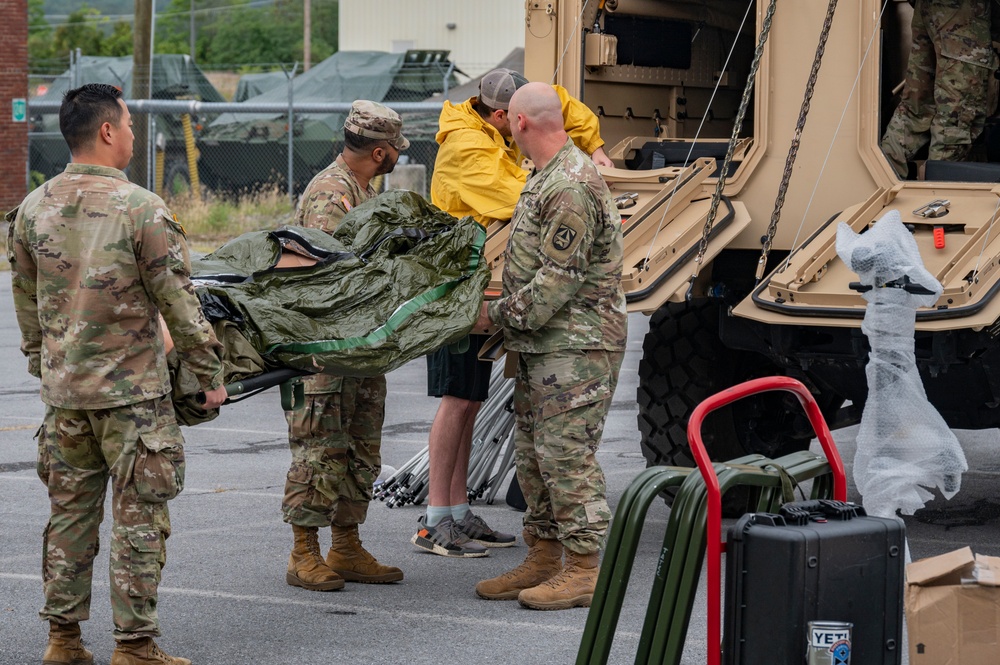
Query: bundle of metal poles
{"points": [[492, 440]]}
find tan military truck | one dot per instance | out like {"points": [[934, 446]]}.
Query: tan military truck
{"points": [[736, 290]]}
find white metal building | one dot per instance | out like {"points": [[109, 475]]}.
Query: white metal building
{"points": [[479, 33]]}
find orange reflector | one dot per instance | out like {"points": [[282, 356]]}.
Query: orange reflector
{"points": [[939, 237]]}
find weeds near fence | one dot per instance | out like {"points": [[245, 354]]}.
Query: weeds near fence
{"points": [[212, 220]]}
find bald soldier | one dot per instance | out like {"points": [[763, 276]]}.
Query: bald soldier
{"points": [[95, 261], [336, 439], [563, 311]]}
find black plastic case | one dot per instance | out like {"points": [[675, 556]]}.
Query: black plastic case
{"points": [[818, 560]]}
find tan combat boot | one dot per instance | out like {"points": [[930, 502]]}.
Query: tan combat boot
{"points": [[306, 567], [572, 587], [543, 561], [64, 647], [143, 652], [353, 562]]}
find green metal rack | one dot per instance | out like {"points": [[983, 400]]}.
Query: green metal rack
{"points": [[671, 599]]}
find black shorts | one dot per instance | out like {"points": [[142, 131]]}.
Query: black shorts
{"points": [[461, 375]]}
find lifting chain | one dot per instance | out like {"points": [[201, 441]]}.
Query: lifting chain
{"points": [[734, 139], [793, 150]]}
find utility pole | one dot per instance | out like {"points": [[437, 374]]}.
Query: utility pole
{"points": [[307, 36], [138, 169], [192, 30]]}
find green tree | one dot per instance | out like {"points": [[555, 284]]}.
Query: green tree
{"points": [[85, 29], [81, 31], [119, 42], [39, 36], [173, 25], [228, 34]]}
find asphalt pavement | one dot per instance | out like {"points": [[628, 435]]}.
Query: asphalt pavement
{"points": [[223, 597]]}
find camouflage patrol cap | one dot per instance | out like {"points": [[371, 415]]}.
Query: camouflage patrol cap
{"points": [[498, 86], [376, 121]]}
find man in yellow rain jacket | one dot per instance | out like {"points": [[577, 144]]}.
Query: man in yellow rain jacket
{"points": [[478, 172]]}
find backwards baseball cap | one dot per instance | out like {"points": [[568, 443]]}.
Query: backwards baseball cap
{"points": [[498, 86], [376, 121]]}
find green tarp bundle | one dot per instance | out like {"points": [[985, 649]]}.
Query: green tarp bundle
{"points": [[397, 280]]}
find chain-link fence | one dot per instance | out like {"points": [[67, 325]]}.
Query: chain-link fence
{"points": [[276, 134], [230, 150]]}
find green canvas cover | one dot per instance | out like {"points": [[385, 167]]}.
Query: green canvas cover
{"points": [[251, 85], [343, 77], [397, 280], [175, 76]]}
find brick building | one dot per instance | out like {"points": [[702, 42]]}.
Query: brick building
{"points": [[13, 85]]}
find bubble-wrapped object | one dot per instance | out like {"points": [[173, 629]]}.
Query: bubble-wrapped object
{"points": [[904, 447]]}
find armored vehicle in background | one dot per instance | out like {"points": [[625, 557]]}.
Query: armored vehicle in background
{"points": [[746, 282]]}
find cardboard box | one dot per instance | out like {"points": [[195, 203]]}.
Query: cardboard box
{"points": [[953, 609]]}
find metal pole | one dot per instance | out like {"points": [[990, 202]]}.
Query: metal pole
{"points": [[195, 107], [447, 78], [192, 30], [307, 36], [291, 133], [150, 125], [139, 169]]}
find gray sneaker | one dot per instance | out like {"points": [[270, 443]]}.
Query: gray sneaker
{"points": [[478, 531], [446, 539]]}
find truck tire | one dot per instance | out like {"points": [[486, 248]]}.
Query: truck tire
{"points": [[683, 362]]}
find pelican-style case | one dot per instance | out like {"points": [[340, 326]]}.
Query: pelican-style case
{"points": [[817, 560]]}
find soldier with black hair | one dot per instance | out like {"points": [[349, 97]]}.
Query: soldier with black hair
{"points": [[95, 261]]}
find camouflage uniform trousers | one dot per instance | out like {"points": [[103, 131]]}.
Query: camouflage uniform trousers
{"points": [[947, 83], [336, 444], [561, 402], [140, 447]]}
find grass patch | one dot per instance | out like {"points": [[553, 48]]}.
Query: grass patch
{"points": [[212, 220]]}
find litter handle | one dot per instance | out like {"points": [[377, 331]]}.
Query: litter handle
{"points": [[259, 382]]}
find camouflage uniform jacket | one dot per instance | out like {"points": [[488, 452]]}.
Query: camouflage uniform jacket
{"points": [[563, 264], [330, 195], [93, 258]]}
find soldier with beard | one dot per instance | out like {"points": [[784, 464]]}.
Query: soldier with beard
{"points": [[336, 438]]}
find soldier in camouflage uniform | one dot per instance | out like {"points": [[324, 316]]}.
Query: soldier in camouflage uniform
{"points": [[946, 85], [336, 438], [563, 311], [95, 260]]}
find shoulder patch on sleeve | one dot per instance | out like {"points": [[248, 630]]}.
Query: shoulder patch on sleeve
{"points": [[564, 240]]}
